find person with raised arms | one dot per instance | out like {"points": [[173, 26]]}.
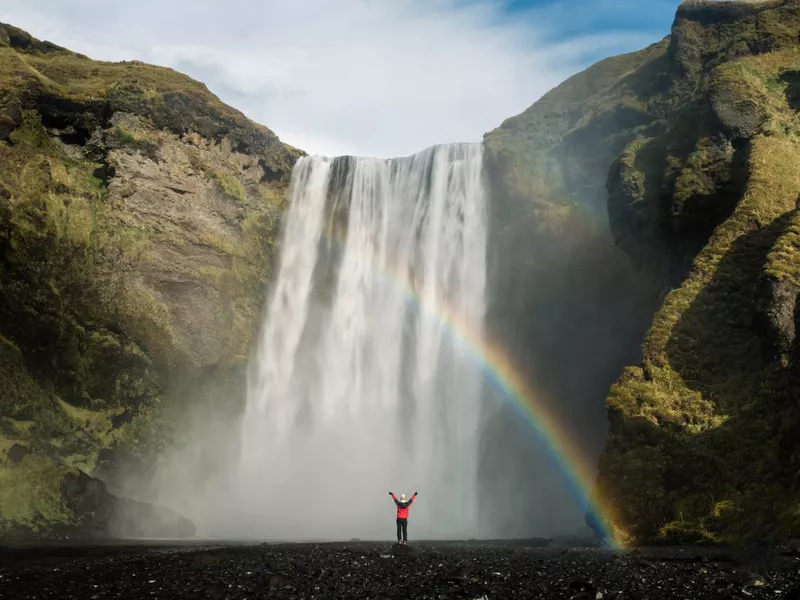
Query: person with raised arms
{"points": [[402, 515]]}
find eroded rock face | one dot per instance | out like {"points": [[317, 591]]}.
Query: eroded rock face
{"points": [[193, 194], [712, 411], [562, 299], [138, 216], [689, 148], [776, 305]]}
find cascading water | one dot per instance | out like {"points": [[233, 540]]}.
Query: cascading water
{"points": [[358, 386]]}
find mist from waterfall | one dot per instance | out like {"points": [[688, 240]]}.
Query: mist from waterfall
{"points": [[358, 386]]}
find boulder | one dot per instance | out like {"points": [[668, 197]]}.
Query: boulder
{"points": [[101, 514]]}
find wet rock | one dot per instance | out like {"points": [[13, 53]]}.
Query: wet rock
{"points": [[17, 452], [101, 514], [121, 419], [743, 577], [139, 519]]}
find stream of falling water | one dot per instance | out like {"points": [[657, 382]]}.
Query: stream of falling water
{"points": [[357, 388]]}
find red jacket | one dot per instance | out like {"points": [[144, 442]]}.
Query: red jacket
{"points": [[402, 507]]}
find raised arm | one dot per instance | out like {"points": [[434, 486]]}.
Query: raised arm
{"points": [[412, 498], [393, 497]]}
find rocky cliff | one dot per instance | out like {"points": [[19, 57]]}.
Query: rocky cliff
{"points": [[705, 432], [567, 302], [137, 221], [691, 146]]}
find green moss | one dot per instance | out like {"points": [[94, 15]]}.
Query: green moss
{"points": [[30, 494], [66, 366], [702, 446], [123, 136], [230, 185], [706, 390], [558, 151], [783, 262], [160, 94]]}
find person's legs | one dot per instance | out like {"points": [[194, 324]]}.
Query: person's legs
{"points": [[405, 530], [399, 529]]}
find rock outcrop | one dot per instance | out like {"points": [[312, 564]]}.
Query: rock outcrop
{"points": [[564, 299], [138, 216], [692, 146], [702, 442]]}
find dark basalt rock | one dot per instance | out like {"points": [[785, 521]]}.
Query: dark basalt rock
{"points": [[442, 571], [103, 515], [17, 452], [776, 308], [716, 12], [7, 125], [22, 40], [738, 117], [404, 551]]}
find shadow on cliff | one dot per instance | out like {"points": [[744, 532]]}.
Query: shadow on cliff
{"points": [[792, 81], [572, 310], [699, 484]]}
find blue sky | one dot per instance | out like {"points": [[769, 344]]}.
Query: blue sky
{"points": [[578, 18], [583, 15], [365, 77]]}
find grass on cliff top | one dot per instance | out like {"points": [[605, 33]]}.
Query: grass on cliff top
{"points": [[82, 80], [589, 92], [556, 153]]}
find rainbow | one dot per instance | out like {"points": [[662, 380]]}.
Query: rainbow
{"points": [[500, 370]]}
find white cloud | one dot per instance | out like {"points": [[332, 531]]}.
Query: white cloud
{"points": [[367, 77]]}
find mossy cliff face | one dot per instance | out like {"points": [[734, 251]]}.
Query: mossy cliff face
{"points": [[690, 149], [138, 217], [563, 298], [704, 443]]}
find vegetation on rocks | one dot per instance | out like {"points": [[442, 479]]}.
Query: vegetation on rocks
{"points": [[563, 298], [138, 216], [689, 148], [703, 441]]}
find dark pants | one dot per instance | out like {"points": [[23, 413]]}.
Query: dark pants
{"points": [[402, 525]]}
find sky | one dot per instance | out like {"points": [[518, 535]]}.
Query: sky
{"points": [[363, 77]]}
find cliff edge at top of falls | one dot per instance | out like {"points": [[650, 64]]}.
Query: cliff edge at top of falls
{"points": [[137, 221], [691, 149]]}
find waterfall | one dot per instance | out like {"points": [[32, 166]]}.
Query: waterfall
{"points": [[358, 385]]}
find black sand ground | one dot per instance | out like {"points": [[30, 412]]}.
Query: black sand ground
{"points": [[381, 570]]}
